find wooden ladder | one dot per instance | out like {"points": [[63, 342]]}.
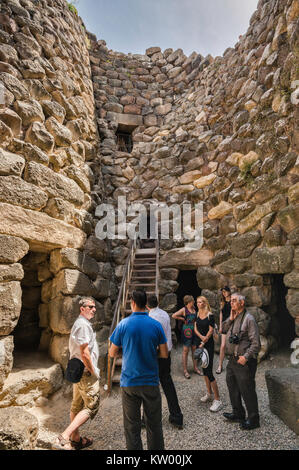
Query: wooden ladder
{"points": [[141, 271]]}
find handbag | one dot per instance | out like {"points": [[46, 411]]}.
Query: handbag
{"points": [[74, 370]]}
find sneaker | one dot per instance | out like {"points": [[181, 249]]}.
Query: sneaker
{"points": [[216, 405], [206, 398]]}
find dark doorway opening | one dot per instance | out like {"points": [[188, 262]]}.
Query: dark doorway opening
{"points": [[124, 141], [187, 286], [150, 231], [27, 332], [285, 323]]}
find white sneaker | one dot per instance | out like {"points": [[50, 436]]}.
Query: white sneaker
{"points": [[206, 398], [216, 405]]}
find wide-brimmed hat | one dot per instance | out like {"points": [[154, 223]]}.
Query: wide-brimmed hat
{"points": [[202, 357]]}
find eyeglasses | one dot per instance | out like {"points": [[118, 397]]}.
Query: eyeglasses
{"points": [[90, 306]]}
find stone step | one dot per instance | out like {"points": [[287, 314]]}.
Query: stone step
{"points": [[116, 377], [138, 278], [140, 269], [33, 376], [146, 251]]}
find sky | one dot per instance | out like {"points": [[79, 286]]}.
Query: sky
{"points": [[204, 26]]}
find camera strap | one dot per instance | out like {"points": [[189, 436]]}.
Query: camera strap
{"points": [[241, 324]]}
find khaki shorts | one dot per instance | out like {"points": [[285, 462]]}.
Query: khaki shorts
{"points": [[86, 395]]}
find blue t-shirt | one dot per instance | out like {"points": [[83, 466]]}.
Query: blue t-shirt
{"points": [[139, 335]]}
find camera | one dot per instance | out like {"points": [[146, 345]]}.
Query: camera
{"points": [[234, 339]]}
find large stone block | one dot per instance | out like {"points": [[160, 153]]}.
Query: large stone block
{"points": [[257, 296], [30, 111], [183, 259], [169, 303], [10, 163], [233, 266], [167, 286], [283, 390], [12, 249], [31, 379], [42, 232], [59, 349], [10, 306], [220, 211], [6, 357], [62, 135], [208, 278], [262, 318], [243, 245], [169, 273], [38, 135], [64, 310], [276, 260], [289, 218], [292, 299], [96, 248], [72, 282], [18, 430], [213, 298], [11, 272], [54, 184], [102, 288], [14, 190], [73, 259], [14, 86], [292, 279]]}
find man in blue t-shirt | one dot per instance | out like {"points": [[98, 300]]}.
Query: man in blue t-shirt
{"points": [[140, 337]]}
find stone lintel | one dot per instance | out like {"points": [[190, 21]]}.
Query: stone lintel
{"points": [[42, 232], [126, 122], [186, 260]]}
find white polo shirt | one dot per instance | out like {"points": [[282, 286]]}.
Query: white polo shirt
{"points": [[82, 333], [163, 317]]}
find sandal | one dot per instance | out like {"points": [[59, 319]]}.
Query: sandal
{"points": [[186, 375], [197, 371], [78, 445], [62, 444], [219, 370]]}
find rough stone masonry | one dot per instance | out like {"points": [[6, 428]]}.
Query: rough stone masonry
{"points": [[221, 130]]}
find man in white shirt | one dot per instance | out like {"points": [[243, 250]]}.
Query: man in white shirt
{"points": [[86, 393], [175, 414]]}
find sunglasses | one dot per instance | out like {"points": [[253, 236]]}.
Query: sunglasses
{"points": [[90, 306]]}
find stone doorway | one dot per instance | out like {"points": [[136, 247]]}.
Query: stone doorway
{"points": [[34, 376], [188, 285], [27, 332], [283, 324]]}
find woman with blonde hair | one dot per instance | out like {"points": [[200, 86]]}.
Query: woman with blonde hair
{"points": [[188, 315], [204, 328]]}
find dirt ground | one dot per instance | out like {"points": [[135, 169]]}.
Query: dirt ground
{"points": [[202, 429]]}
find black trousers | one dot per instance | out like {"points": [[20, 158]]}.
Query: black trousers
{"points": [[175, 414], [150, 398], [241, 384]]}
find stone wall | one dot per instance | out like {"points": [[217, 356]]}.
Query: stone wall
{"points": [[223, 131], [50, 179], [229, 140]]}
